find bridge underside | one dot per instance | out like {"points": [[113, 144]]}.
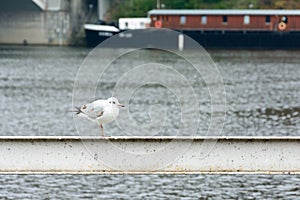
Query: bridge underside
{"points": [[46, 22]]}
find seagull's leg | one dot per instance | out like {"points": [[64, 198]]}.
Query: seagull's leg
{"points": [[102, 130]]}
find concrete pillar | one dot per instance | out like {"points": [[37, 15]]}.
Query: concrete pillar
{"points": [[81, 12], [103, 7], [76, 17]]}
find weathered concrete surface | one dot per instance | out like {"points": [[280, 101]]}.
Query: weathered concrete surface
{"points": [[149, 155]]}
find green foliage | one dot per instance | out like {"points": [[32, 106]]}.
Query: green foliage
{"points": [[132, 8], [140, 8], [287, 4]]}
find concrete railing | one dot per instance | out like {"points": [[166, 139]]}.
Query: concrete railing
{"points": [[149, 155]]}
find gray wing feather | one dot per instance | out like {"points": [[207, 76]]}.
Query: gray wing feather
{"points": [[93, 110]]}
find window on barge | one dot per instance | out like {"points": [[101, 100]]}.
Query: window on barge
{"points": [[268, 19], [284, 19], [224, 19], [246, 19], [182, 19], [204, 19]]}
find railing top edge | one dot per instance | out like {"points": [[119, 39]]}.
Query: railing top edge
{"points": [[150, 138]]}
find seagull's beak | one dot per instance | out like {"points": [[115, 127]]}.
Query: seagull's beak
{"points": [[121, 105]]}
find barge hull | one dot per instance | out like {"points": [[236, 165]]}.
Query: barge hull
{"points": [[207, 39], [246, 39]]}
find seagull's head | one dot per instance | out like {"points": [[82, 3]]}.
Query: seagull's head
{"points": [[114, 102]]}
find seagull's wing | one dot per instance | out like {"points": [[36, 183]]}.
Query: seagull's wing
{"points": [[92, 110]]}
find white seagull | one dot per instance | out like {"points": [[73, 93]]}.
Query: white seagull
{"points": [[100, 111]]}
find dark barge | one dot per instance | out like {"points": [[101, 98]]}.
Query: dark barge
{"points": [[258, 29], [234, 28]]}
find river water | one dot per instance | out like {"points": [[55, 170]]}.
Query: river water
{"points": [[262, 99]]}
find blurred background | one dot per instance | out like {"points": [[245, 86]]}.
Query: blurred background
{"points": [[58, 22]]}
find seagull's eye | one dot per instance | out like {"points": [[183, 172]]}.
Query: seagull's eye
{"points": [[114, 102], [110, 102]]}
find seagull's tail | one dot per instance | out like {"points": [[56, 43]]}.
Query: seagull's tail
{"points": [[77, 110]]}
